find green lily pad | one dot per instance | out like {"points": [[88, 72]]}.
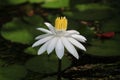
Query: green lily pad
{"points": [[16, 2], [16, 31], [93, 6], [106, 48], [46, 64], [35, 21], [20, 31], [4, 78], [31, 51], [36, 1], [12, 72], [111, 25], [55, 3], [90, 12]]}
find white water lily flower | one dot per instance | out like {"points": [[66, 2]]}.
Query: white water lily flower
{"points": [[57, 38]]}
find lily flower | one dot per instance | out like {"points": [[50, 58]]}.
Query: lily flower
{"points": [[59, 38]]}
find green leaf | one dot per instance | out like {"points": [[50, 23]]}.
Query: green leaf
{"points": [[31, 51], [4, 78], [90, 12], [16, 2], [106, 48], [16, 32], [55, 3], [22, 31], [40, 64], [93, 6], [13, 72], [111, 25], [36, 1], [35, 21]]}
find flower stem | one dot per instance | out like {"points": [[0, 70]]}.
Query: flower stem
{"points": [[59, 69]]}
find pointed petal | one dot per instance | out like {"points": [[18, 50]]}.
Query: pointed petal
{"points": [[51, 28], [43, 48], [52, 45], [76, 43], [41, 41], [44, 30], [42, 36], [71, 49], [79, 37], [59, 49], [73, 32], [70, 32]]}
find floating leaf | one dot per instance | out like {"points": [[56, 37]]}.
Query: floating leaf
{"points": [[31, 50], [20, 31], [15, 2], [13, 72], [5, 78], [55, 3], [111, 25], [104, 48], [91, 12], [16, 31], [40, 64], [35, 21], [36, 1], [83, 7]]}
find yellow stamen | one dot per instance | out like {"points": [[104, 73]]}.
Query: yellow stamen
{"points": [[61, 23]]}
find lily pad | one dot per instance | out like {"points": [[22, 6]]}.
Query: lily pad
{"points": [[16, 32], [36, 1], [93, 6], [31, 51], [90, 12], [4, 78], [55, 3], [111, 25], [104, 48], [46, 64], [15, 2], [12, 72], [20, 31]]}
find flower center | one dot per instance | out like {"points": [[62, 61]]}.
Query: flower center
{"points": [[61, 24]]}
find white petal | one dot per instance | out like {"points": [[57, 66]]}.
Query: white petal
{"points": [[52, 45], [71, 49], [41, 41], [43, 48], [59, 49], [44, 30], [51, 28], [70, 32], [42, 36], [79, 37], [73, 32], [76, 43]]}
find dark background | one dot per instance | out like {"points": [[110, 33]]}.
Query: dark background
{"points": [[97, 20]]}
